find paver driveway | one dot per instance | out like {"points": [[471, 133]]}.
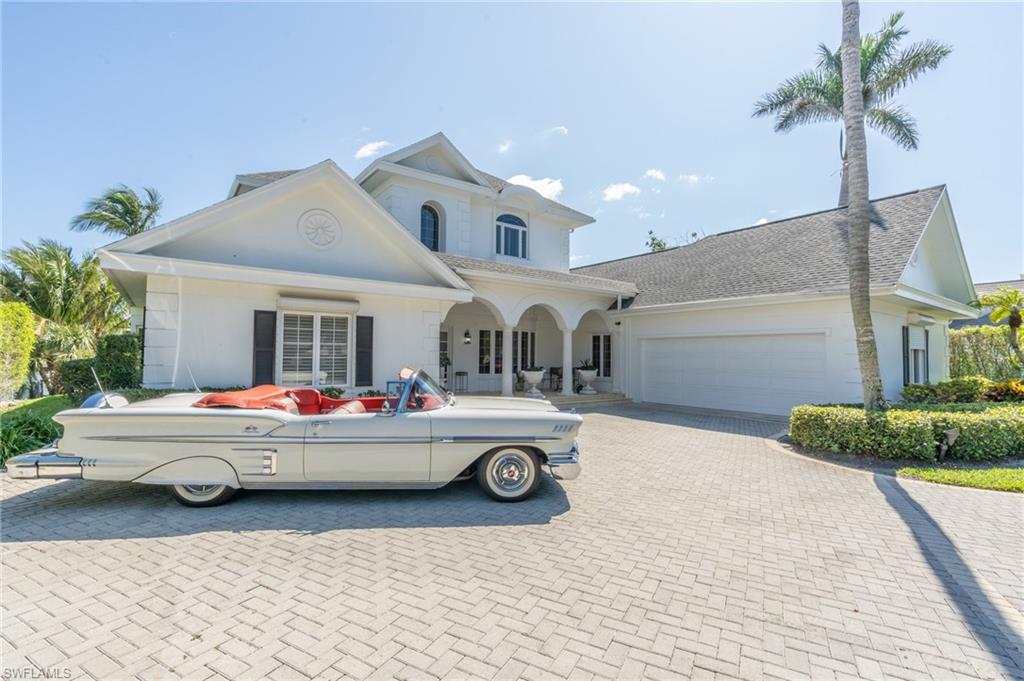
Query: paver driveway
{"points": [[689, 547]]}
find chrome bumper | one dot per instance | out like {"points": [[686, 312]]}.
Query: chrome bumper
{"points": [[44, 463], [565, 465]]}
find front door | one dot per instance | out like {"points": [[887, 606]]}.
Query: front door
{"points": [[368, 447]]}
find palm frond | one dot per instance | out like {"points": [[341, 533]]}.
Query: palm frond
{"points": [[119, 211], [908, 66], [878, 48], [895, 123]]}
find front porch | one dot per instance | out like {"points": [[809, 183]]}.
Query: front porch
{"points": [[479, 353], [564, 402]]}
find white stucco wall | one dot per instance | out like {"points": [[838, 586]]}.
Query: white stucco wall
{"points": [[468, 222], [208, 326], [831, 318]]}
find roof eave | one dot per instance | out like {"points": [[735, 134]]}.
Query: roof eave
{"points": [[525, 279]]}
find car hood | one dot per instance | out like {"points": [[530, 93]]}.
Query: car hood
{"points": [[509, 403]]}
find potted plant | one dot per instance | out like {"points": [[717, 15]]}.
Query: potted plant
{"points": [[444, 361], [533, 376], [588, 372]]}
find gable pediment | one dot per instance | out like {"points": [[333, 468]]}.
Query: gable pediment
{"points": [[316, 222], [938, 264]]}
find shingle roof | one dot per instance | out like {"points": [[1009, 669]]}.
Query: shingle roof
{"points": [[800, 254], [983, 287], [461, 262], [264, 178]]}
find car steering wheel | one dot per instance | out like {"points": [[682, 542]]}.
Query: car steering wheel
{"points": [[418, 401]]}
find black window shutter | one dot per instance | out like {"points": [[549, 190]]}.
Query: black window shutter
{"points": [[926, 358], [264, 343], [364, 351], [906, 355]]}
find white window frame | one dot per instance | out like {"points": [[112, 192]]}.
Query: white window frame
{"points": [[522, 233], [279, 348]]}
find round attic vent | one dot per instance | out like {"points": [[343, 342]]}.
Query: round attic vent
{"points": [[319, 228]]}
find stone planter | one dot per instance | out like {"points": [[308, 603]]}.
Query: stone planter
{"points": [[587, 377], [532, 379]]}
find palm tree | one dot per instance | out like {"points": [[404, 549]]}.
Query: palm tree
{"points": [[74, 302], [858, 211], [120, 211], [1007, 303], [817, 95]]}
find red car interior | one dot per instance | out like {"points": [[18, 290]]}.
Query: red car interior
{"points": [[304, 401]]}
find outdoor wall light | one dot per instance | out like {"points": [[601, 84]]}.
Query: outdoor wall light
{"points": [[467, 337]]}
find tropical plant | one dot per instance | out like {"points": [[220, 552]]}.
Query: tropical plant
{"points": [[120, 212], [654, 243], [982, 351], [73, 301], [858, 211], [816, 95], [1007, 303], [17, 338]]}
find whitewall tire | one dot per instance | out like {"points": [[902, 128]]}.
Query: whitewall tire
{"points": [[202, 495], [509, 474]]}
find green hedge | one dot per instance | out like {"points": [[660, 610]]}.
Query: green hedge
{"points": [[914, 433], [982, 351], [119, 361], [76, 379], [17, 337], [964, 389]]}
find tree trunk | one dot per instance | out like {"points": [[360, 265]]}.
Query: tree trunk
{"points": [[1013, 329], [858, 213], [844, 187]]}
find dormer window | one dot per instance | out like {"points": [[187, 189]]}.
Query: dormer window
{"points": [[430, 227], [510, 236]]}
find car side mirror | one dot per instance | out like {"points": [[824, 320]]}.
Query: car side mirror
{"points": [[385, 408]]}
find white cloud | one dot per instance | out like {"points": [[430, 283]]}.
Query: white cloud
{"points": [[619, 191], [504, 146], [655, 174], [693, 179], [547, 187], [559, 129], [762, 221], [371, 149]]}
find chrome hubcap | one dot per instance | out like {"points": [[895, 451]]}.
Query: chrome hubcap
{"points": [[510, 472], [202, 490]]}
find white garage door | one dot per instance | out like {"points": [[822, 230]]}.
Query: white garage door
{"points": [[764, 374]]}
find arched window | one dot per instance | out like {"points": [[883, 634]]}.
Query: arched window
{"points": [[430, 227], [510, 236]]}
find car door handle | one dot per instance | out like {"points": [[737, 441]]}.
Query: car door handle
{"points": [[317, 423]]}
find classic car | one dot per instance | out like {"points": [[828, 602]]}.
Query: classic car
{"points": [[206, 446]]}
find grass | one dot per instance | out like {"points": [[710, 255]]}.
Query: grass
{"points": [[41, 406], [29, 425], [1001, 479]]}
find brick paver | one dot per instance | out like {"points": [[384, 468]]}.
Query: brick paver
{"points": [[692, 546]]}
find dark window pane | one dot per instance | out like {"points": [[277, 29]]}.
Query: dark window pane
{"points": [[533, 349], [523, 248], [511, 220], [430, 228], [497, 238], [498, 350], [515, 352], [606, 358], [484, 353], [511, 242], [595, 352]]}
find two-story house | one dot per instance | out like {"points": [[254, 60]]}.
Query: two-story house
{"points": [[310, 277]]}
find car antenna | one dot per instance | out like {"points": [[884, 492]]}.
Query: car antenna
{"points": [[99, 385], [190, 375]]}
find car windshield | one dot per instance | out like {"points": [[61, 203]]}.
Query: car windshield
{"points": [[426, 393]]}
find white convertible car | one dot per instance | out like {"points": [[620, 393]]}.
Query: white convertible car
{"points": [[207, 446]]}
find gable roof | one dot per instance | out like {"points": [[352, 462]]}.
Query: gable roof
{"points": [[801, 254], [438, 139], [985, 287], [464, 265], [214, 214]]}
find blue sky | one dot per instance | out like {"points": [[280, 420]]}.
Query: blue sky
{"points": [[183, 97]]}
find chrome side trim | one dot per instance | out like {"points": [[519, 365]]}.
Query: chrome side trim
{"points": [[369, 484], [316, 439], [494, 439]]}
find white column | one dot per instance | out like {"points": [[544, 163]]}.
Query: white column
{"points": [[567, 362], [506, 361]]}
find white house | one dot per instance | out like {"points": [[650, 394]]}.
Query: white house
{"points": [[312, 278]]}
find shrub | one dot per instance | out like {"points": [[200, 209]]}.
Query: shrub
{"points": [[119, 361], [982, 351], [964, 389], [29, 426], [1006, 391], [76, 379], [17, 337], [910, 433]]}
